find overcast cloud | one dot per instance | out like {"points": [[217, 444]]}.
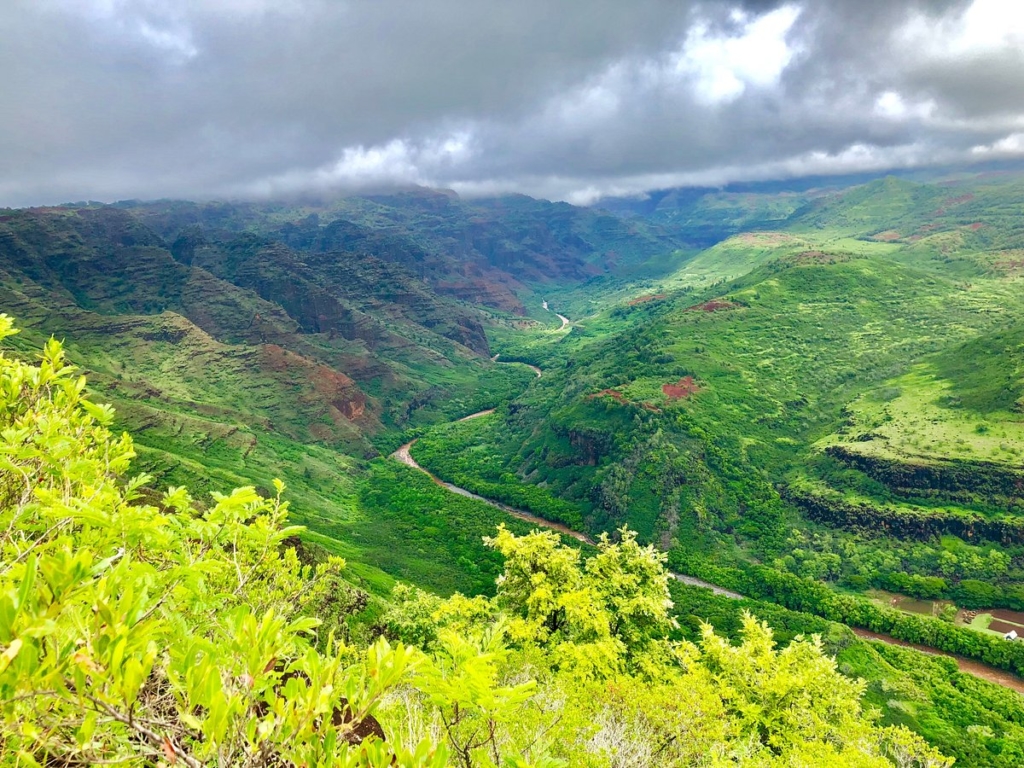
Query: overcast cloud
{"points": [[112, 99]]}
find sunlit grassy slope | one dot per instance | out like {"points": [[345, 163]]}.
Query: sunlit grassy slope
{"points": [[922, 417]]}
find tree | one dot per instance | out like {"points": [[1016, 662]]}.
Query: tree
{"points": [[135, 633], [547, 601], [632, 582]]}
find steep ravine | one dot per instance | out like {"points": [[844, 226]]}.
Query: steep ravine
{"points": [[977, 669]]}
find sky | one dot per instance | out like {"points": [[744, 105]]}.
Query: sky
{"points": [[564, 99]]}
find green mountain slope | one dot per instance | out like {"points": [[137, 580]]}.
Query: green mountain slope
{"points": [[818, 390], [226, 386], [825, 398], [773, 360], [489, 252]]}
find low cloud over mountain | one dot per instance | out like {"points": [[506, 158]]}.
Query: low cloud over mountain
{"points": [[111, 99]]}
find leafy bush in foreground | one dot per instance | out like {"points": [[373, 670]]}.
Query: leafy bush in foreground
{"points": [[612, 688], [134, 632]]}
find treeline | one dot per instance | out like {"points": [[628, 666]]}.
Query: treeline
{"points": [[966, 593], [913, 524], [436, 456], [445, 455], [528, 498], [419, 532], [694, 606], [923, 525], [809, 596]]}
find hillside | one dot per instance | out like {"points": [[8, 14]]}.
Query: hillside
{"points": [[491, 252], [819, 410], [834, 398], [256, 367], [211, 636], [774, 334]]}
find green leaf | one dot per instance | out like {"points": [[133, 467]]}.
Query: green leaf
{"points": [[28, 581]]}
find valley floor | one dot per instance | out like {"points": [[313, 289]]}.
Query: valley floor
{"points": [[981, 671]]}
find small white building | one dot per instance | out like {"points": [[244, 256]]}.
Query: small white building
{"points": [[1011, 635]]}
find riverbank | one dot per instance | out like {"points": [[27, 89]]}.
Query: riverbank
{"points": [[967, 666]]}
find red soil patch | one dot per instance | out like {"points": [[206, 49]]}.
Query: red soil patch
{"points": [[712, 306], [887, 237], [339, 391], [685, 387], [320, 384], [1015, 617], [976, 226], [648, 297], [612, 393], [1004, 626]]}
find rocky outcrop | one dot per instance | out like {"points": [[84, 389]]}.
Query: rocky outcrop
{"points": [[589, 445], [923, 525], [951, 479]]}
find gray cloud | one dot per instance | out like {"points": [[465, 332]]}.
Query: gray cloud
{"points": [[205, 98]]}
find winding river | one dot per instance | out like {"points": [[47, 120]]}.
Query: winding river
{"points": [[968, 666], [563, 318]]}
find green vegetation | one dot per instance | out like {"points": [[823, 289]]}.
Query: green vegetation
{"points": [[811, 596], [978, 722], [833, 332], [813, 398], [148, 633], [918, 423], [133, 632], [464, 456]]}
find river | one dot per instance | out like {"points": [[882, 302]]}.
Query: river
{"points": [[968, 666], [563, 318]]}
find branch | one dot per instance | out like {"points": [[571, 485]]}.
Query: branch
{"points": [[8, 566], [158, 742]]}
